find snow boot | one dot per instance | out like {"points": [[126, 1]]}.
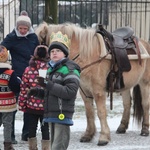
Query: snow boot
{"points": [[32, 143], [8, 146], [45, 144]]}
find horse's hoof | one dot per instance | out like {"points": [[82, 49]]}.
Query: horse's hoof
{"points": [[145, 132], [85, 139], [102, 143], [121, 131]]}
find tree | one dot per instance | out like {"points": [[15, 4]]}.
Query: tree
{"points": [[51, 7]]}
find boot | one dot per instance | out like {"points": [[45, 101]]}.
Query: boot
{"points": [[32, 143], [45, 144], [8, 146]]}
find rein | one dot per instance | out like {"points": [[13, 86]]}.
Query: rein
{"points": [[86, 66], [94, 62], [75, 57], [99, 60]]}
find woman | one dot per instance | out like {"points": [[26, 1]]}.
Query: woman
{"points": [[21, 43]]}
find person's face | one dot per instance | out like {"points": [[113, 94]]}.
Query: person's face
{"points": [[56, 54], [23, 29]]}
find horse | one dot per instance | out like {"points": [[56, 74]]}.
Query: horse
{"points": [[88, 50]]}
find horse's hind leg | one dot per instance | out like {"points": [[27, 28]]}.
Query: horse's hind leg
{"points": [[90, 116], [126, 97], [145, 105]]}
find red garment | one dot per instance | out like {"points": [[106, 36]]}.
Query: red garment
{"points": [[29, 81], [7, 97]]}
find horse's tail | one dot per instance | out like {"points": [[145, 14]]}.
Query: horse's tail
{"points": [[137, 106]]}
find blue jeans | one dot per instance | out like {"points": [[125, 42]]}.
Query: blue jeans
{"points": [[7, 123]]}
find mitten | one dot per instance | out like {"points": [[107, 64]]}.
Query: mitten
{"points": [[32, 92], [41, 81]]}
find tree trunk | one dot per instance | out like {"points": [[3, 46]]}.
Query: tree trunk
{"points": [[51, 11]]}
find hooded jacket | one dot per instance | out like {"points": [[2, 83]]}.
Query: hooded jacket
{"points": [[60, 93], [21, 48], [32, 104]]}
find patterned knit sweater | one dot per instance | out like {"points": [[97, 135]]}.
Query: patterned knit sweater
{"points": [[9, 86]]}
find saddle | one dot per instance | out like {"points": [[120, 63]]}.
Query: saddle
{"points": [[119, 43]]}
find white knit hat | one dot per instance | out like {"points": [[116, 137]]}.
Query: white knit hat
{"points": [[23, 19]]}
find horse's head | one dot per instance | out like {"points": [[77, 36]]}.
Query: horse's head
{"points": [[42, 33]]}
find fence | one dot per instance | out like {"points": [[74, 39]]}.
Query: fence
{"points": [[111, 13]]}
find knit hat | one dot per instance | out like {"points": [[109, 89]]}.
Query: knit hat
{"points": [[3, 54], [60, 41], [23, 19], [40, 53]]}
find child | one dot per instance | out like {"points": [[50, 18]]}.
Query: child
{"points": [[60, 89], [9, 86], [32, 105]]}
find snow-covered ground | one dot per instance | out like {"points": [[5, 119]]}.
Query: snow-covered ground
{"points": [[129, 141]]}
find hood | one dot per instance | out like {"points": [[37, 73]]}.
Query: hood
{"points": [[29, 32]]}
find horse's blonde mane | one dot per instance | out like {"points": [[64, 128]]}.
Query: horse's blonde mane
{"points": [[87, 38]]}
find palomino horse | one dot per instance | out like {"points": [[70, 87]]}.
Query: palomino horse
{"points": [[87, 46]]}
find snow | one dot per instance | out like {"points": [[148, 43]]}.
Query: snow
{"points": [[129, 141], [114, 118], [5, 2]]}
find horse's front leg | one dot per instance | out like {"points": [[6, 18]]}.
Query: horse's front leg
{"points": [[90, 116], [126, 97], [100, 100]]}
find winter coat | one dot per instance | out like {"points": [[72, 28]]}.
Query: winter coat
{"points": [[61, 89], [21, 49], [9, 87], [32, 104]]}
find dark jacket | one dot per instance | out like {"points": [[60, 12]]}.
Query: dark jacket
{"points": [[21, 49], [63, 83]]}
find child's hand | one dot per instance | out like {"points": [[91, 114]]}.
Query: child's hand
{"points": [[41, 82], [32, 92]]}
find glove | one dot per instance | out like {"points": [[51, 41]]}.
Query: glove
{"points": [[32, 92], [41, 82]]}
